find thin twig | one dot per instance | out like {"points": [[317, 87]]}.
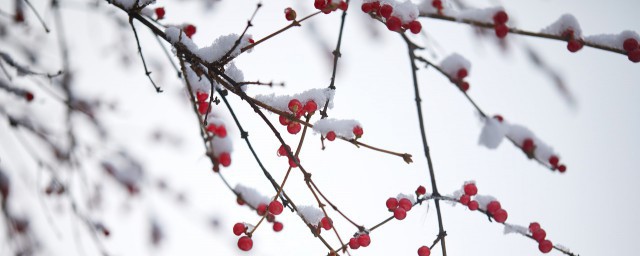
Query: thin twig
{"points": [[144, 63]]}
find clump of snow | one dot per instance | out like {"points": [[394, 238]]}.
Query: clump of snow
{"points": [[612, 40], [198, 83], [480, 15], [129, 4], [175, 35], [484, 200], [281, 102], [454, 62], [221, 46], [564, 23], [341, 127], [311, 214], [221, 145], [511, 228], [492, 133], [406, 11], [236, 74], [411, 197], [251, 196]]}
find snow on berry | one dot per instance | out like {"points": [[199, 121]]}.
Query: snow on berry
{"points": [[454, 63], [221, 46], [342, 128], [492, 133], [480, 15], [511, 228], [281, 102], [615, 41], [311, 214], [564, 23], [176, 35], [406, 11], [251, 196]]}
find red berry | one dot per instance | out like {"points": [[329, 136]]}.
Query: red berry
{"points": [[320, 4], [499, 118], [392, 203], [375, 6], [353, 243], [501, 30], [562, 168], [357, 130], [634, 56], [28, 96], [326, 223], [574, 45], [386, 10], [203, 107], [282, 150], [275, 207], [221, 131], [405, 204], [270, 217], [464, 86], [493, 206], [294, 105], [289, 14], [160, 12], [473, 205], [310, 106], [331, 136], [500, 215], [239, 228], [202, 96], [366, 8], [211, 128], [277, 226], [262, 209], [251, 41], [415, 26], [245, 243], [528, 146], [400, 213], [500, 17], [630, 44], [189, 30], [294, 128], [553, 160], [545, 246], [364, 240], [424, 251], [284, 120], [437, 4], [533, 226], [225, 159], [539, 235], [462, 73], [292, 163], [421, 190], [568, 34], [343, 6], [470, 189], [465, 199], [239, 201], [394, 23]]}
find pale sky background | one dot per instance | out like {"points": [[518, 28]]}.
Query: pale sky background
{"points": [[590, 209]]}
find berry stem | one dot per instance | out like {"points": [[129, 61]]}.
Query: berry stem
{"points": [[295, 23]]}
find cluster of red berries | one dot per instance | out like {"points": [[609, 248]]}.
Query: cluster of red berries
{"points": [[494, 209], [529, 147], [296, 107], [399, 207], [282, 151], [633, 49], [217, 130], [424, 251], [325, 223], [394, 23], [201, 101], [499, 24], [159, 13], [357, 131], [360, 240], [438, 5], [538, 234], [554, 161], [328, 6], [189, 30], [290, 14], [460, 75], [573, 44]]}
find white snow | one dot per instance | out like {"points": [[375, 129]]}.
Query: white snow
{"points": [[175, 35], [454, 62], [251, 196], [511, 228], [311, 214], [128, 4], [492, 133], [342, 128], [221, 46], [612, 40], [481, 15], [281, 102], [406, 11], [198, 83], [564, 23], [484, 200], [221, 145], [519, 133], [411, 197]]}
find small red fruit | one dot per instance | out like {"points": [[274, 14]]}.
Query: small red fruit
{"points": [[320, 4], [394, 23], [375, 6], [284, 120], [415, 26], [437, 4], [400, 213], [500, 216], [294, 128], [277, 226], [239, 228], [275, 207], [343, 6], [574, 45], [202, 96], [251, 41], [473, 205], [528, 146], [295, 105], [501, 30], [462, 73], [493, 206], [634, 56], [545, 246], [386, 10], [239, 201], [292, 163], [464, 86], [366, 8], [290, 14], [331, 136], [405, 204], [500, 17], [160, 12], [465, 199], [421, 190], [310, 106], [364, 240], [424, 251], [392, 203], [630, 44], [353, 243], [203, 107], [28, 96], [562, 168], [553, 160], [357, 130], [221, 131], [499, 118], [189, 30], [539, 235], [470, 189], [262, 209], [533, 226], [326, 223], [245, 243], [225, 159], [282, 150]]}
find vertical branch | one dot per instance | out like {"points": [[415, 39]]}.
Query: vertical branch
{"points": [[144, 63], [411, 49], [336, 56]]}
